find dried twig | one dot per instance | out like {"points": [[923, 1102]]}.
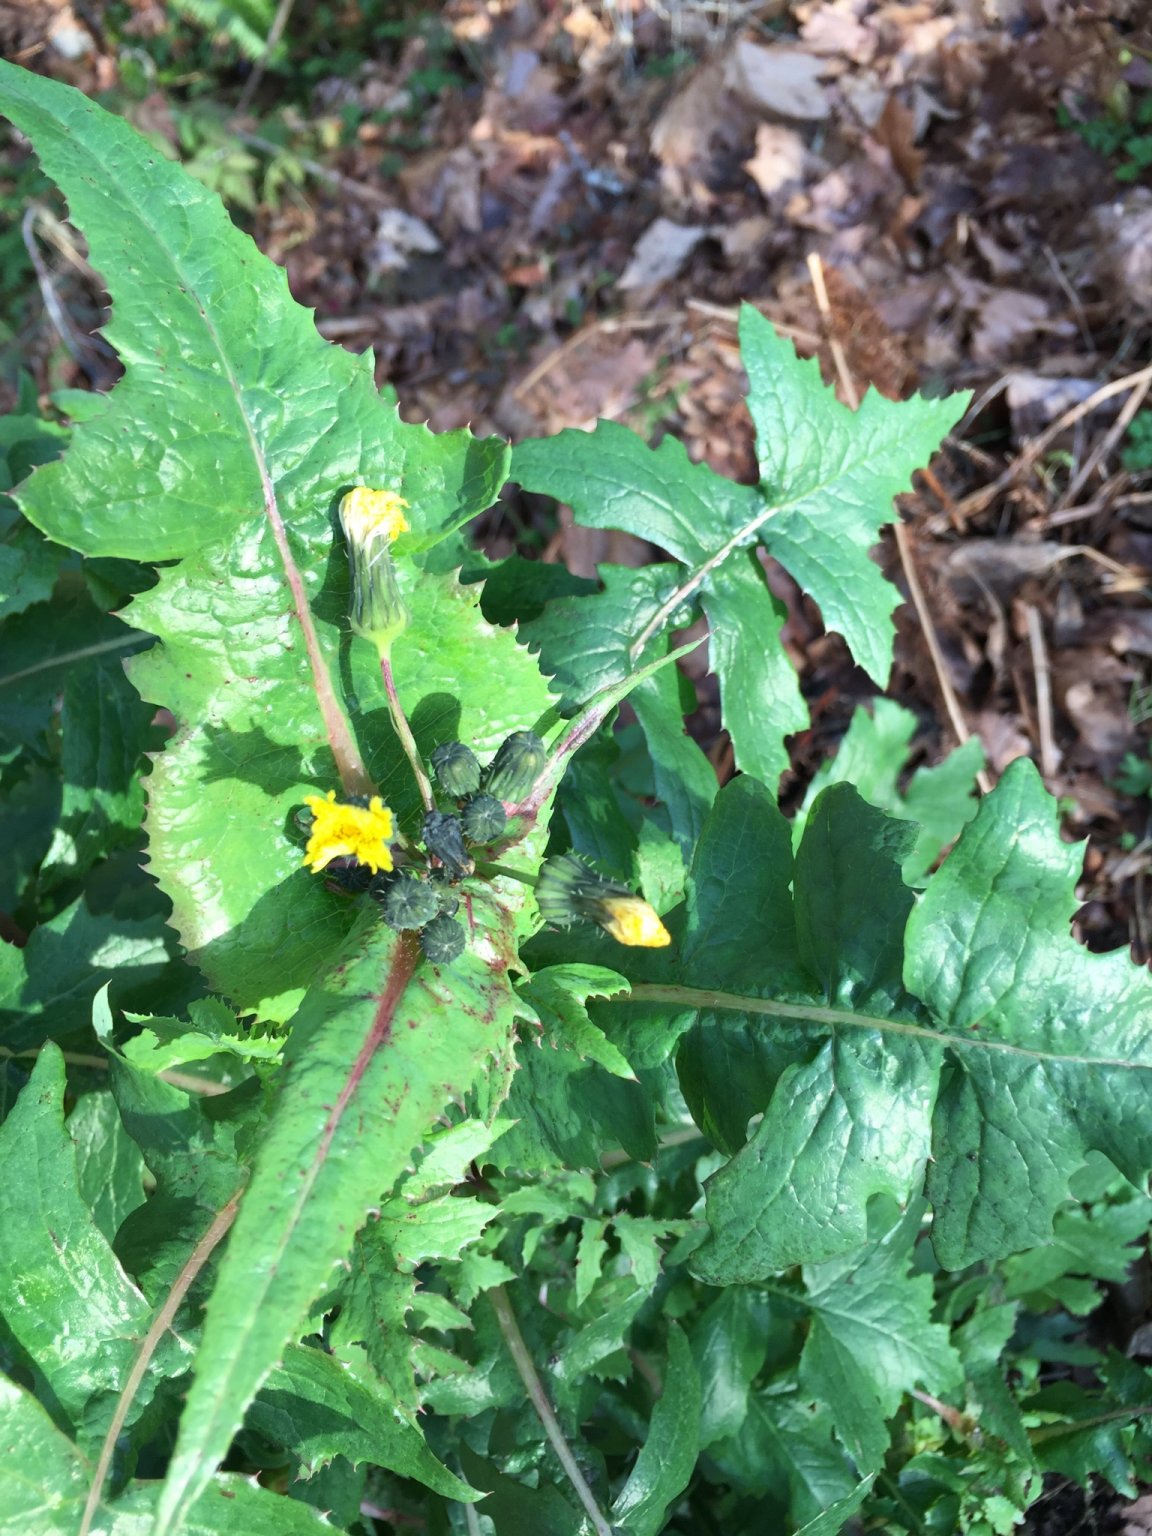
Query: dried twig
{"points": [[1024, 460], [1049, 758], [839, 357], [275, 33], [606, 327], [1106, 444]]}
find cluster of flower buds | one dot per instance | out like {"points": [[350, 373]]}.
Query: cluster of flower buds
{"points": [[483, 795]]}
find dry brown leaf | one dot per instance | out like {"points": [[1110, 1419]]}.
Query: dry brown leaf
{"points": [[660, 253], [779, 161], [781, 80]]}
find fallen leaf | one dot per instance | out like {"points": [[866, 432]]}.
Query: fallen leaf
{"points": [[660, 253], [778, 79], [398, 236], [779, 160]]}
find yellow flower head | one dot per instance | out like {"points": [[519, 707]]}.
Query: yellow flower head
{"points": [[368, 515], [568, 889], [372, 521], [342, 831], [630, 920]]}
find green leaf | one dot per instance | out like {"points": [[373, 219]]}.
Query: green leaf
{"points": [[46, 1482], [62, 1290], [1053, 1044], [668, 1455], [871, 1340], [729, 1341], [46, 988], [828, 479], [110, 1170], [318, 1408], [104, 730], [785, 1455], [829, 476], [874, 755], [369, 1067], [558, 994]]}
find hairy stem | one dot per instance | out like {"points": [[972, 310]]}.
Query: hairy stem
{"points": [[404, 732], [160, 1324], [510, 1328]]}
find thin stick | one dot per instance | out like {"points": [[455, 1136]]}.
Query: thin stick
{"points": [[347, 184], [275, 32], [839, 357], [1048, 756], [404, 732], [916, 593], [1106, 444], [978, 500], [510, 1328], [185, 1080], [160, 1324]]}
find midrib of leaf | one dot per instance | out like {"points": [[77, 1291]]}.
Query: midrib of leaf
{"points": [[738, 539], [812, 1013], [349, 763]]}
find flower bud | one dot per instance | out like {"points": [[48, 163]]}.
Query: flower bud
{"points": [[408, 902], [372, 521], [483, 819], [444, 839], [518, 763], [442, 940], [568, 889], [457, 769]]}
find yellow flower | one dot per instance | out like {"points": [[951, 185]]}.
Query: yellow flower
{"points": [[372, 521], [343, 831], [568, 889], [367, 514], [630, 920]]}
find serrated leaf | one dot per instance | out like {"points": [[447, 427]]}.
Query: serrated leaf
{"points": [[668, 1455], [829, 476], [828, 479], [1054, 1044], [591, 1251], [63, 1292], [558, 994], [873, 756], [369, 1066], [318, 1408], [785, 1455], [871, 1340]]}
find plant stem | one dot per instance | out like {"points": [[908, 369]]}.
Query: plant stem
{"points": [[404, 732], [160, 1324], [484, 867], [510, 1328]]}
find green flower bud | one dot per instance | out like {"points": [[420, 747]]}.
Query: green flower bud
{"points": [[372, 521], [483, 819], [457, 769], [442, 940], [408, 902], [517, 765], [568, 889], [444, 839]]}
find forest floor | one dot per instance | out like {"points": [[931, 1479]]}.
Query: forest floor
{"points": [[541, 214]]}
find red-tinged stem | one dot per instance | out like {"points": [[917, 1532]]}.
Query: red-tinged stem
{"points": [[160, 1324], [400, 973], [349, 764], [404, 732]]}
